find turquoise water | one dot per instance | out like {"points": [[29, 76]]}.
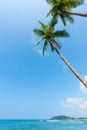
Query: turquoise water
{"points": [[42, 125]]}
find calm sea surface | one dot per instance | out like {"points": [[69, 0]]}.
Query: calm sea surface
{"points": [[42, 125]]}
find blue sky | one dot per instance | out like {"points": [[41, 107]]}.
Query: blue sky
{"points": [[33, 86]]}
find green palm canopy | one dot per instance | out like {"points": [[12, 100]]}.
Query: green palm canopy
{"points": [[47, 34], [60, 8]]}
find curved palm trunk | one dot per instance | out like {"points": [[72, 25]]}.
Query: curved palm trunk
{"points": [[72, 69], [84, 14], [81, 78]]}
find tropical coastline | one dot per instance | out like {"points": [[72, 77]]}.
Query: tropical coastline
{"points": [[63, 117]]}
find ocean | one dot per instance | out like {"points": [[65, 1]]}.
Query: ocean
{"points": [[42, 125]]}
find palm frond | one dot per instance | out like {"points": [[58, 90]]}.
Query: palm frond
{"points": [[39, 41], [69, 18], [51, 1], [63, 19], [45, 46], [53, 11], [42, 25], [54, 44], [38, 32], [52, 47], [49, 13], [62, 33], [53, 22], [57, 44], [80, 2], [51, 44]]}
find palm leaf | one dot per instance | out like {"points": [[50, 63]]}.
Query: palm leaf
{"points": [[51, 1], [54, 44], [53, 22], [62, 33], [53, 11], [42, 25], [63, 19], [51, 44], [69, 18], [39, 41], [80, 2], [45, 45], [49, 13], [52, 47], [57, 44], [39, 32]]}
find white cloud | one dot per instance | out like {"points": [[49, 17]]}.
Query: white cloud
{"points": [[74, 103], [82, 87], [74, 100]]}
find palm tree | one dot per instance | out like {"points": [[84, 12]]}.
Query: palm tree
{"points": [[48, 34], [62, 8]]}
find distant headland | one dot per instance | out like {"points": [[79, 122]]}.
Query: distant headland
{"points": [[63, 117]]}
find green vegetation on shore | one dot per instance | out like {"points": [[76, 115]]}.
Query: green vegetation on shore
{"points": [[62, 117]]}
